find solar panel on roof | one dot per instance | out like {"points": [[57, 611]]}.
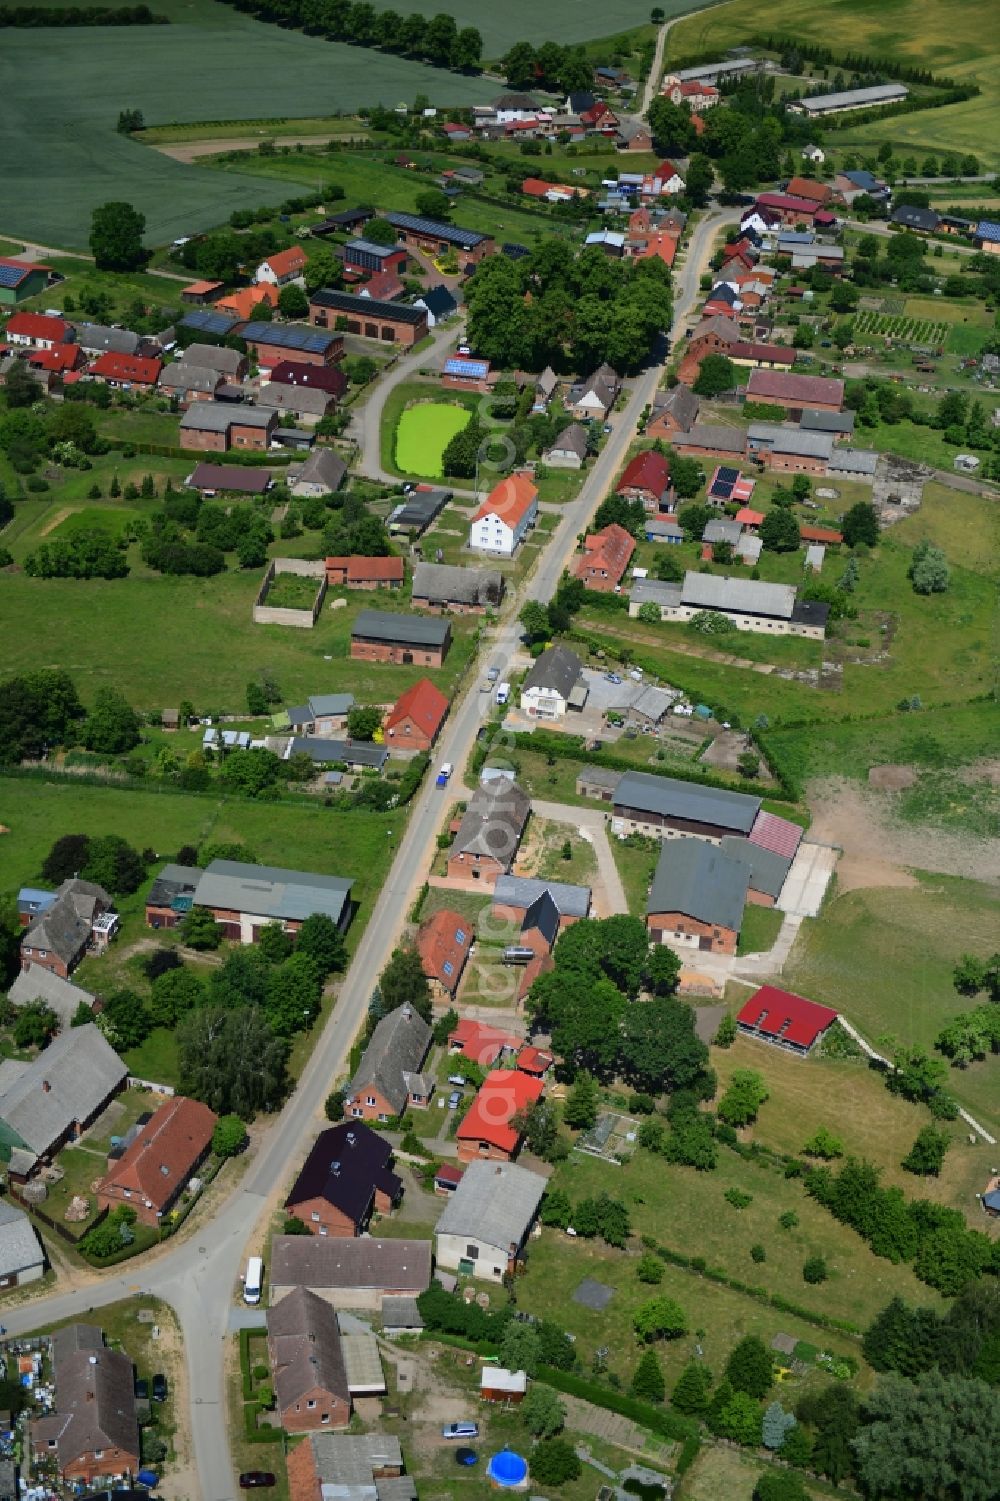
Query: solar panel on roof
{"points": [[722, 490], [209, 323], [450, 233], [11, 275], [727, 473], [474, 369], [288, 337]]}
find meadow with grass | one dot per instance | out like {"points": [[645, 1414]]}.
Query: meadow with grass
{"points": [[423, 433]]}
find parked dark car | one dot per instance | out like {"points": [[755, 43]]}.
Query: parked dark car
{"points": [[159, 1388], [142, 1389], [253, 1480]]}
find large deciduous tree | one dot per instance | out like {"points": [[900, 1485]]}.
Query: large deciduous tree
{"points": [[232, 1061], [116, 231], [929, 1438]]}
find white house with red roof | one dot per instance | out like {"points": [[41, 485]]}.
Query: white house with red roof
{"points": [[785, 1020], [664, 178], [37, 331], [505, 517], [696, 95], [284, 268]]}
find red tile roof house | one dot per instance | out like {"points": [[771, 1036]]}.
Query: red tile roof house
{"points": [[481, 1043], [490, 1130], [346, 1178], [606, 555], [94, 1431], [819, 193], [792, 210], [784, 1019], [365, 573], [414, 721], [794, 392], [307, 1361], [444, 943], [153, 1171], [388, 1076], [129, 372], [748, 519], [647, 478], [823, 534], [37, 330], [284, 267]]}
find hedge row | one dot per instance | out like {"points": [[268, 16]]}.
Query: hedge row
{"points": [[252, 1433], [81, 15], [659, 1420], [700, 1267]]}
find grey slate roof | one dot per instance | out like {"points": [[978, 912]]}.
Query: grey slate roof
{"points": [[724, 328], [445, 583], [95, 1400], [323, 467], [184, 377], [284, 398], [493, 822], [330, 703], [411, 630], [350, 1459], [706, 591], [65, 927], [826, 422], [171, 882], [494, 1203], [713, 437], [303, 1339], [320, 1262], [543, 914], [654, 592], [401, 1313], [879, 93], [671, 797], [911, 216], [213, 357], [270, 891], [723, 529], [572, 439], [523, 891], [646, 701], [805, 442], [398, 1046], [681, 403], [701, 881], [557, 670], [351, 753], [20, 1248], [218, 417], [853, 461], [40, 984], [82, 1071], [766, 869], [96, 338]]}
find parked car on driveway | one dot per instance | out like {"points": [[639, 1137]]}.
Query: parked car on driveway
{"points": [[159, 1388], [460, 1430], [255, 1480]]}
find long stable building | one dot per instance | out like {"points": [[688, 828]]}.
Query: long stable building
{"points": [[389, 322]]}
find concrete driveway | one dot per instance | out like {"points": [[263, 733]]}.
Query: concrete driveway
{"points": [[805, 885], [609, 893]]}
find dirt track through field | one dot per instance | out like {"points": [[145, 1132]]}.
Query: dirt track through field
{"points": [[57, 520], [191, 151], [879, 851]]}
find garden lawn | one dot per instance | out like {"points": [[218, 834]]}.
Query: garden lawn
{"points": [[885, 957], [728, 1474], [424, 432], [636, 864], [760, 929], [851, 1100]]}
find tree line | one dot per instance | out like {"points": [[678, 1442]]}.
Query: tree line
{"points": [[81, 15], [437, 41]]}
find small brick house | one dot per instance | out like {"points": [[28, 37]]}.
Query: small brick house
{"points": [[379, 636], [64, 924], [647, 478], [697, 898], [488, 1131], [346, 1178], [156, 1166], [365, 573], [489, 833], [388, 1077], [415, 719], [444, 943], [215, 426], [674, 413], [308, 1364], [606, 555]]}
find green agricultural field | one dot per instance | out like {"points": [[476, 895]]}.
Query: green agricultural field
{"points": [[68, 158], [424, 432], [885, 956], [956, 40]]}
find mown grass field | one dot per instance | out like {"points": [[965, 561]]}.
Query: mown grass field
{"points": [[952, 37], [424, 432], [723, 1474], [218, 64], [885, 957]]}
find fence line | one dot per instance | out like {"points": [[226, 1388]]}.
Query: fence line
{"points": [[875, 1057]]}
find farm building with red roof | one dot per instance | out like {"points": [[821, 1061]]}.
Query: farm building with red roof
{"points": [[647, 478], [365, 573], [37, 330], [57, 360], [414, 721], [488, 1130], [786, 1020], [481, 1043], [126, 370]]}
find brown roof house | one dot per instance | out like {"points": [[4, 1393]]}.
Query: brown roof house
{"points": [[673, 412], [308, 1364], [388, 1077], [156, 1165], [355, 1273], [93, 1433], [80, 916], [490, 832], [606, 555], [45, 1103], [346, 1178], [444, 943]]}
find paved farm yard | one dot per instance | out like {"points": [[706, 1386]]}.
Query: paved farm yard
{"points": [[424, 433]]}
